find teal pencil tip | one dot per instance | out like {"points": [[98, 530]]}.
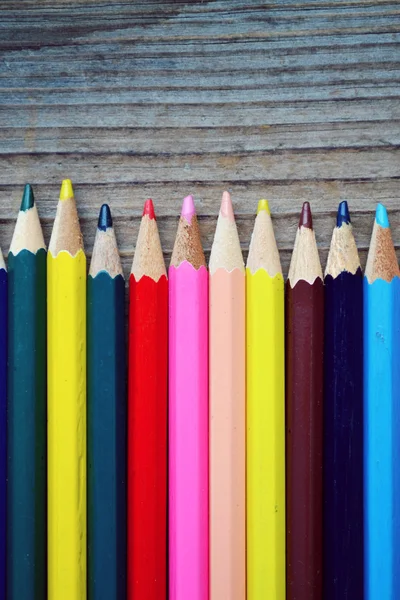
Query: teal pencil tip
{"points": [[381, 216], [28, 199]]}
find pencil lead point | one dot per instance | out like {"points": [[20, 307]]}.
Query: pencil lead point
{"points": [[28, 199], [263, 206], [343, 215], [226, 206], [381, 216], [148, 209], [188, 208], [105, 219], [306, 216], [66, 191]]}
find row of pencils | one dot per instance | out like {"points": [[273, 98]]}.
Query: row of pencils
{"points": [[254, 451]]}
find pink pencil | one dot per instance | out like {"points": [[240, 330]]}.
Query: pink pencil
{"points": [[188, 412]]}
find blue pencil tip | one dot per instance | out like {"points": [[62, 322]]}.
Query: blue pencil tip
{"points": [[381, 216], [105, 219], [343, 215]]}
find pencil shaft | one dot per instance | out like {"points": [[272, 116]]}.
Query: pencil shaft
{"points": [[343, 437], [188, 432], [147, 438], [106, 438], [227, 435], [26, 427], [304, 422], [3, 427], [382, 438], [265, 436], [66, 321]]}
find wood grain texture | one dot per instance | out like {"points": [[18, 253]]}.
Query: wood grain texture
{"points": [[292, 100]]}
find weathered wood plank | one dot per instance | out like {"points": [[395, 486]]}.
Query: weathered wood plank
{"points": [[362, 91], [278, 165], [90, 23], [163, 48], [200, 115], [70, 140], [104, 62]]}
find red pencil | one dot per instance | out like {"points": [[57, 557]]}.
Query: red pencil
{"points": [[147, 416]]}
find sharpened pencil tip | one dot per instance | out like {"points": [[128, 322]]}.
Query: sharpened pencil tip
{"points": [[306, 216], [105, 218], [381, 216], [188, 208], [28, 199], [226, 206], [343, 215], [148, 209], [67, 190], [263, 205]]}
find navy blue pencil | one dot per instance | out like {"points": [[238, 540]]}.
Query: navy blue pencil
{"points": [[343, 416], [3, 423]]}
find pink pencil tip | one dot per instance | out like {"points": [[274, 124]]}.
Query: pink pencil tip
{"points": [[226, 206], [148, 209], [188, 208]]}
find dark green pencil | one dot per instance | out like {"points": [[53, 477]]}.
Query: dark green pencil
{"points": [[106, 418], [26, 408]]}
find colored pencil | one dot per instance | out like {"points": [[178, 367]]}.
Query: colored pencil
{"points": [[147, 415], [304, 415], [382, 414], [188, 413], [227, 415], [3, 423], [106, 405], [26, 407], [66, 322], [343, 416], [265, 414]]}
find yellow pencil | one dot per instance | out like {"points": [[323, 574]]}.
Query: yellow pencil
{"points": [[265, 414], [66, 320]]}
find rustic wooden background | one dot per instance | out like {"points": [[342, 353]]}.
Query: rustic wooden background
{"points": [[291, 100]]}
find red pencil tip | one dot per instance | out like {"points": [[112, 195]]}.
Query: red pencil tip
{"points": [[148, 209], [306, 216]]}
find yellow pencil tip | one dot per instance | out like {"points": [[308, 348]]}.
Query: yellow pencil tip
{"points": [[67, 190], [263, 205]]}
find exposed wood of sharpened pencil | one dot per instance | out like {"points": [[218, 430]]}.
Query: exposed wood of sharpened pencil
{"points": [[187, 245], [304, 415], [66, 322], [381, 413], [106, 416], [188, 413], [227, 413], [26, 407], [343, 416], [147, 415], [265, 413]]}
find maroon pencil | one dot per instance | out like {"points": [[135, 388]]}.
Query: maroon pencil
{"points": [[304, 417]]}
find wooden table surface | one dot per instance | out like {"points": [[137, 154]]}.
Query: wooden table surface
{"points": [[290, 100]]}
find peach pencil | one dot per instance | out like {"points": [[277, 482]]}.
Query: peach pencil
{"points": [[227, 430]]}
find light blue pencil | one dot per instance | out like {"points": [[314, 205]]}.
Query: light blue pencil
{"points": [[382, 415]]}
